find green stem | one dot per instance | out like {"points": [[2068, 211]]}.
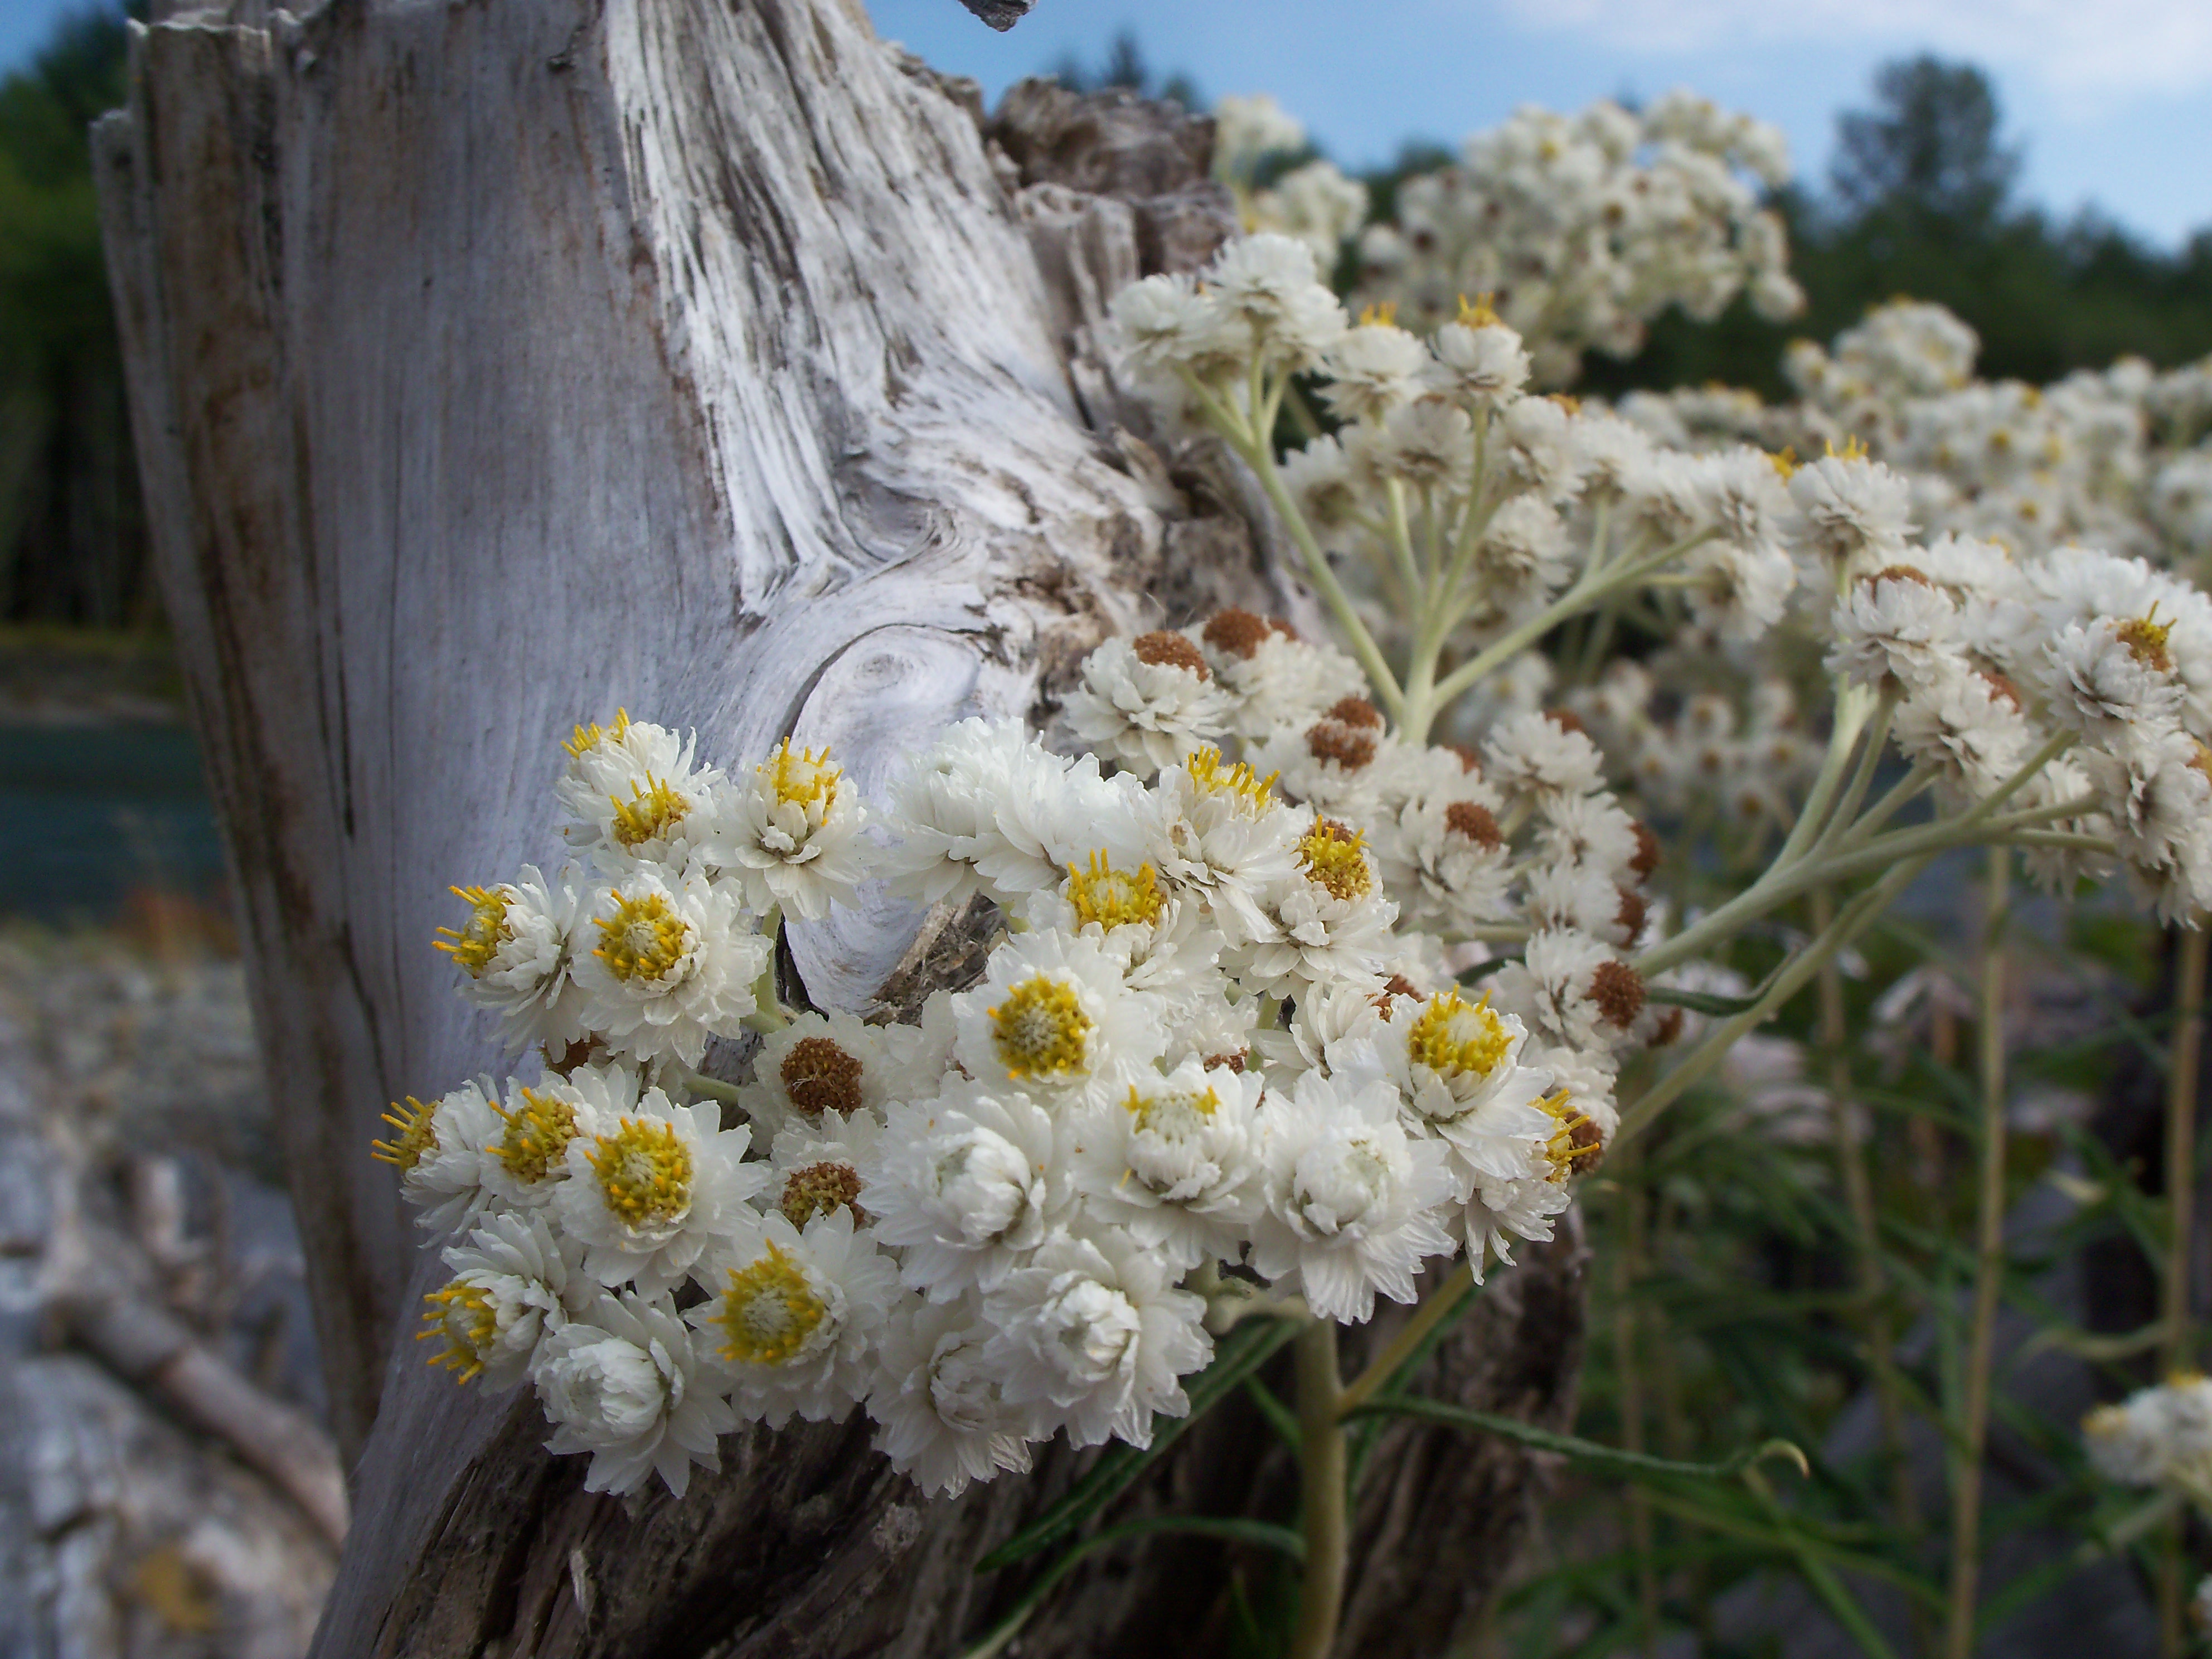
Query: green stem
{"points": [[1438, 1303], [1322, 1488], [1792, 978], [1586, 591], [1262, 460], [1972, 1433]]}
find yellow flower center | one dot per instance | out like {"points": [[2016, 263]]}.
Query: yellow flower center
{"points": [[643, 939], [644, 1171], [1785, 462], [588, 738], [1173, 1113], [649, 813], [1245, 787], [464, 1315], [769, 1310], [1111, 897], [1853, 450], [1384, 315], [418, 1136], [1454, 1034], [2145, 638], [537, 1136], [805, 777], [1041, 1028], [477, 942], [1336, 858], [1482, 313], [1575, 1145]]}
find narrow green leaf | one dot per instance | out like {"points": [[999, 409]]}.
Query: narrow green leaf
{"points": [[1573, 1447], [1700, 1002], [1243, 1351]]}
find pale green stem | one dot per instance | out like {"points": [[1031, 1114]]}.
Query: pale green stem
{"points": [[712, 1087], [1434, 1306], [1972, 1431], [1262, 460], [1852, 855], [1323, 1478], [1854, 705], [1791, 979], [1587, 590], [1402, 542]]}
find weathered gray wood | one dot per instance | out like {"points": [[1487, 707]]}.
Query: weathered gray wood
{"points": [[494, 365]]}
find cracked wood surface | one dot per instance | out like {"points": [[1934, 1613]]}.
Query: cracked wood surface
{"points": [[495, 365]]}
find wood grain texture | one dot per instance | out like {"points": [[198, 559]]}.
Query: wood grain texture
{"points": [[493, 366]]}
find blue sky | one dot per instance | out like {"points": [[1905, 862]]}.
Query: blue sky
{"points": [[2112, 99]]}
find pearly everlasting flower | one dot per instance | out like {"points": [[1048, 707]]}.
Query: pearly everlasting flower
{"points": [[1163, 946], [1147, 702], [1335, 764], [831, 1062], [791, 1314], [941, 1404], [990, 810], [816, 1166], [1856, 512], [668, 967], [1054, 1017], [1542, 755], [514, 1283], [1372, 370], [623, 1381], [515, 957], [1270, 284], [966, 1184], [1456, 1068], [1278, 679], [1894, 629], [2112, 681], [1483, 363], [1349, 1195], [1967, 725], [1092, 1334], [648, 1191], [439, 1151], [1173, 1161], [635, 798], [1328, 920], [525, 1152], [1571, 989], [791, 835], [1222, 839]]}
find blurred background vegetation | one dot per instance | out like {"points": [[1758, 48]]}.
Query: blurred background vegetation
{"points": [[1920, 201]]}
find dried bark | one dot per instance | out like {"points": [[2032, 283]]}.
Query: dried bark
{"points": [[494, 365]]}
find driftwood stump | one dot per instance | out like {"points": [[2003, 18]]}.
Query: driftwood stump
{"points": [[494, 365]]}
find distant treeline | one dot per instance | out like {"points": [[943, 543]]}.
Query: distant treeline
{"points": [[72, 531], [1922, 203]]}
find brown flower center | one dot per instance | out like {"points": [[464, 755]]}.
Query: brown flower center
{"points": [[820, 1077], [1163, 649]]}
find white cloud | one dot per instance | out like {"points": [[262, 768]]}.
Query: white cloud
{"points": [[2081, 50]]}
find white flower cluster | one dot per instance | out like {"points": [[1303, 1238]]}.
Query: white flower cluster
{"points": [[1583, 228], [2101, 457], [1205, 1069], [2157, 1437], [1443, 457], [1313, 201]]}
